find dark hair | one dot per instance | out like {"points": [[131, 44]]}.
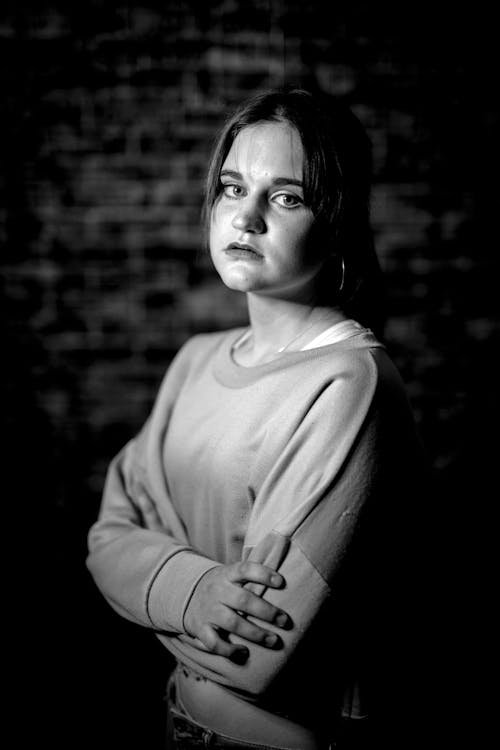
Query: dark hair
{"points": [[337, 174]]}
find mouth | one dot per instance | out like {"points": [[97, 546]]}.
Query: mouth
{"points": [[242, 250]]}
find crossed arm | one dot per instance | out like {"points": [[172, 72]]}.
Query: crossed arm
{"points": [[221, 604], [214, 616]]}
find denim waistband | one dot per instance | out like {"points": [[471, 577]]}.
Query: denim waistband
{"points": [[229, 716], [186, 734]]}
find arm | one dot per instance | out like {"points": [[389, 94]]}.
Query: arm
{"points": [[126, 558], [338, 468], [308, 589], [139, 551], [148, 573]]}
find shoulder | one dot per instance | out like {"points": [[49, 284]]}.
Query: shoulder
{"points": [[364, 364], [193, 357], [327, 391], [346, 383], [352, 377], [371, 392], [202, 347], [206, 342], [351, 370], [196, 354]]}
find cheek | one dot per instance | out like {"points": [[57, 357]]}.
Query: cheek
{"points": [[212, 239], [218, 221], [305, 249], [215, 225]]}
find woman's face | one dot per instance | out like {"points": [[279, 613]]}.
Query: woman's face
{"points": [[260, 229]]}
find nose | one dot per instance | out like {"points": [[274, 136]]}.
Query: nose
{"points": [[248, 217]]}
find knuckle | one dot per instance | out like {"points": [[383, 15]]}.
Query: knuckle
{"points": [[267, 612], [262, 635], [241, 569], [253, 633], [243, 600], [208, 637], [254, 571], [229, 620]]}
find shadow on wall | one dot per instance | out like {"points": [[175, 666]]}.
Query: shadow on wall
{"points": [[80, 673], [466, 499]]}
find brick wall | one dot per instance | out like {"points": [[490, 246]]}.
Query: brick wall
{"points": [[110, 109]]}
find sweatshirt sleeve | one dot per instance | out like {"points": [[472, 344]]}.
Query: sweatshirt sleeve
{"points": [[338, 503], [306, 514], [146, 576]]}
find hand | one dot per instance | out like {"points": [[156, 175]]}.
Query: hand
{"points": [[219, 606]]}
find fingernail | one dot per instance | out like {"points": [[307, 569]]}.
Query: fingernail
{"points": [[271, 641], [283, 621], [276, 580], [240, 655]]}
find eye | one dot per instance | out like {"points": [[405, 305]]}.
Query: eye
{"points": [[287, 200], [232, 190]]}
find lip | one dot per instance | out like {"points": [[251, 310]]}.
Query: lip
{"points": [[242, 250]]}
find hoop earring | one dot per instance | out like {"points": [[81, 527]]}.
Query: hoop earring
{"points": [[341, 287]]}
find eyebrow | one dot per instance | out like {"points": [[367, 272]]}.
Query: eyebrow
{"points": [[275, 181]]}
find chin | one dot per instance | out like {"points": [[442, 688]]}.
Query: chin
{"points": [[238, 285], [237, 280]]}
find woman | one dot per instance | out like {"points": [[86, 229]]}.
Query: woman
{"points": [[251, 523]]}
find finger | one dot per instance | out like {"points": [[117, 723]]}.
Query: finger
{"points": [[232, 622], [192, 641], [252, 572], [244, 601], [214, 643]]}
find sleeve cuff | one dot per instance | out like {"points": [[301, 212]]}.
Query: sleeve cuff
{"points": [[171, 590]]}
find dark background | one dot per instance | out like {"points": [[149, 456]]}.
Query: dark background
{"points": [[108, 114]]}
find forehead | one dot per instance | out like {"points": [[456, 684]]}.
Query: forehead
{"points": [[268, 149]]}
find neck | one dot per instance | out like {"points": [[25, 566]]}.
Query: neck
{"points": [[282, 324]]}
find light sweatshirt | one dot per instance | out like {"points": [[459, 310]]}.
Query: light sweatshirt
{"points": [[306, 464]]}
